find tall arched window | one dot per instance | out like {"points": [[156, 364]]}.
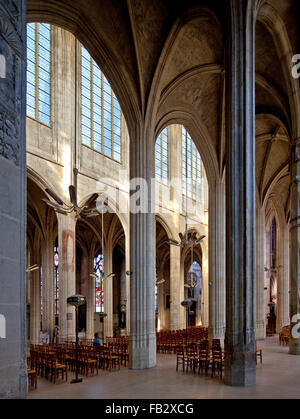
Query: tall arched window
{"points": [[99, 285], [191, 167], [39, 72], [100, 110], [161, 156]]}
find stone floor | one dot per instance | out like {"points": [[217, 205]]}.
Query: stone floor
{"points": [[277, 378]]}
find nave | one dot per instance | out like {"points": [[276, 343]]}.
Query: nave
{"points": [[277, 378], [188, 113]]}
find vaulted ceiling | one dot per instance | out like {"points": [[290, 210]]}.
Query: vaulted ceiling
{"points": [[165, 61], [40, 217], [89, 232]]}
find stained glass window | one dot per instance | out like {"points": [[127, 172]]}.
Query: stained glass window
{"points": [[39, 71], [191, 167], [99, 284], [56, 283], [161, 154], [100, 110]]}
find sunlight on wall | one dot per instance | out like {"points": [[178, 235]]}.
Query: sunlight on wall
{"points": [[205, 264]]}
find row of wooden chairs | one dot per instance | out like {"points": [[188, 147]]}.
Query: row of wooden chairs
{"points": [[108, 359], [172, 347], [117, 340], [192, 332], [47, 365], [203, 361], [91, 358], [122, 351], [54, 361], [167, 341]]}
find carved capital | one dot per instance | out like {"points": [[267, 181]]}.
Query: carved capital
{"points": [[12, 47], [9, 137]]}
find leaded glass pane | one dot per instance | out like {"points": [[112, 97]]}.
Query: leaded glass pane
{"points": [[191, 166], [38, 71], [161, 156]]}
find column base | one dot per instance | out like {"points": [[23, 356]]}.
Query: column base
{"points": [[142, 352], [13, 383], [240, 368], [294, 346], [217, 333]]}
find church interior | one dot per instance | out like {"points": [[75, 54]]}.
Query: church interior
{"points": [[150, 199]]}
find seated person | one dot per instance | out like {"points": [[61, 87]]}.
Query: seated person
{"points": [[96, 340]]}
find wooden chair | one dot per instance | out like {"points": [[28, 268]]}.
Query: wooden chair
{"points": [[102, 354], [43, 365], [216, 343], [191, 358], [180, 358], [88, 362], [113, 360], [209, 361], [124, 355], [33, 363], [56, 369], [217, 362], [32, 378], [258, 355], [202, 360]]}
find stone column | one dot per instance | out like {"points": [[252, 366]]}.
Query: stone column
{"points": [[87, 286], [35, 306], [128, 279], [240, 369], [283, 317], [205, 295], [13, 373], [295, 247], [28, 259], [267, 274], [260, 273], [108, 293], [217, 265], [161, 306], [48, 284], [67, 276], [142, 348], [123, 291], [177, 314], [90, 298]]}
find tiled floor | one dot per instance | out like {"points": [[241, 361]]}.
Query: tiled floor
{"points": [[278, 377]]}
